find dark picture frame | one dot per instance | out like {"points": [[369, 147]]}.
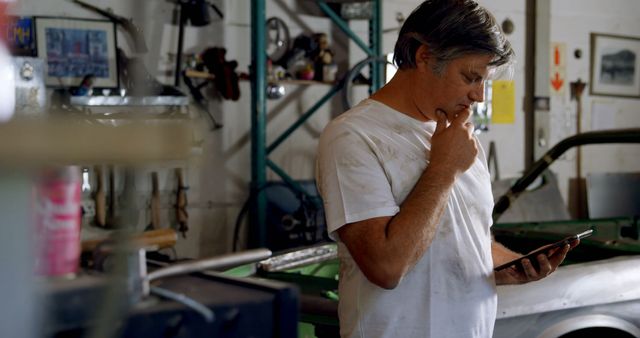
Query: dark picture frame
{"points": [[615, 65], [73, 48]]}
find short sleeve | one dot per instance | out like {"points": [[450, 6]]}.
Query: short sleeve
{"points": [[351, 179]]}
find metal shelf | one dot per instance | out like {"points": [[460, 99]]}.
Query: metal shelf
{"points": [[259, 149], [131, 101]]}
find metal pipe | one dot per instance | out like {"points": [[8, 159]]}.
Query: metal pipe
{"points": [[258, 215], [217, 262], [529, 83]]}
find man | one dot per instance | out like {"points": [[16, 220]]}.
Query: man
{"points": [[407, 191]]}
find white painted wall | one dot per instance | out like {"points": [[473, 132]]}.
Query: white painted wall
{"points": [[571, 23], [219, 178], [509, 138]]}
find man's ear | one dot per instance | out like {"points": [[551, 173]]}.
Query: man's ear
{"points": [[422, 57]]}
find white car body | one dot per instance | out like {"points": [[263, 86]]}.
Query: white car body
{"points": [[604, 293]]}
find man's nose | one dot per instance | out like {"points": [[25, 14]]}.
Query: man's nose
{"points": [[477, 92]]}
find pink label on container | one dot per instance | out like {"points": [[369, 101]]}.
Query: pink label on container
{"points": [[58, 228]]}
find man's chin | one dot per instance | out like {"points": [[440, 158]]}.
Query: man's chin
{"points": [[462, 110]]}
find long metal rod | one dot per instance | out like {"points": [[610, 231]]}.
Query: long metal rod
{"points": [[529, 83], [224, 261], [334, 90], [258, 215], [344, 26]]}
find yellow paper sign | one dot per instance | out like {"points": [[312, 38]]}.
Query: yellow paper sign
{"points": [[503, 102]]}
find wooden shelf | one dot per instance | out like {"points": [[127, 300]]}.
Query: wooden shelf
{"points": [[81, 141]]}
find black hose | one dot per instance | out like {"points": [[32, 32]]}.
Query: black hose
{"points": [[593, 137], [236, 228]]}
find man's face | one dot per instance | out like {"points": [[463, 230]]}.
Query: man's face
{"points": [[457, 87]]}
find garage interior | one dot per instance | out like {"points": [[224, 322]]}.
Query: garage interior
{"points": [[192, 144]]}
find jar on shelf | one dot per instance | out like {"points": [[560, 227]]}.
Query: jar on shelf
{"points": [[57, 217]]}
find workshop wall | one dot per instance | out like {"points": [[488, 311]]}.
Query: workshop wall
{"points": [[219, 176], [571, 24], [204, 172], [509, 138]]}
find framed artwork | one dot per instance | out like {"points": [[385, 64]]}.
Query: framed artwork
{"points": [[615, 65], [73, 49], [19, 35]]}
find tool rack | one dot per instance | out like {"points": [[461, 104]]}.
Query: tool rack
{"points": [[259, 148]]}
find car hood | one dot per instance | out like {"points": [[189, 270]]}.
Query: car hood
{"points": [[573, 286]]}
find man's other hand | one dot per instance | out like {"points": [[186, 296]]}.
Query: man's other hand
{"points": [[526, 272]]}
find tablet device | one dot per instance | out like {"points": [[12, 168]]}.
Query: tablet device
{"points": [[532, 256]]}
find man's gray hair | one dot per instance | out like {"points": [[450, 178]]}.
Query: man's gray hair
{"points": [[451, 29]]}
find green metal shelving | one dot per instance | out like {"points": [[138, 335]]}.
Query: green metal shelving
{"points": [[259, 148]]}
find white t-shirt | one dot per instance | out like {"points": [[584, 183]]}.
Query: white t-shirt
{"points": [[369, 159]]}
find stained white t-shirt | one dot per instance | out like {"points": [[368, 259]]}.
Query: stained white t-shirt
{"points": [[369, 159]]}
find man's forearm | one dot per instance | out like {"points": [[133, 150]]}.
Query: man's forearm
{"points": [[386, 248], [412, 230]]}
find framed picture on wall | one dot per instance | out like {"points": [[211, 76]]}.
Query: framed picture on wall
{"points": [[615, 65], [74, 49]]}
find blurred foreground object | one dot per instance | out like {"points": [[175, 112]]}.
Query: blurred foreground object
{"points": [[57, 221], [8, 91], [76, 141]]}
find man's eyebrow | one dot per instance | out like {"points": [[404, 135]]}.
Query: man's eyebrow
{"points": [[475, 74]]}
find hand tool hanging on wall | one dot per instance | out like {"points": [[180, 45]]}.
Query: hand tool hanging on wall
{"points": [[111, 206], [578, 185], [154, 205], [128, 213], [182, 217], [197, 13], [100, 199], [226, 79], [199, 99]]}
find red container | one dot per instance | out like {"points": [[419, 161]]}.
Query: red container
{"points": [[57, 220]]}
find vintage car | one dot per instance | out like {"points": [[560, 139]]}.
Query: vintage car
{"points": [[597, 293]]}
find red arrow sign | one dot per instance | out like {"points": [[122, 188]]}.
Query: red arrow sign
{"points": [[556, 54], [557, 82]]}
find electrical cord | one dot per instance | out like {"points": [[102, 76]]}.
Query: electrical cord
{"points": [[206, 313]]}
